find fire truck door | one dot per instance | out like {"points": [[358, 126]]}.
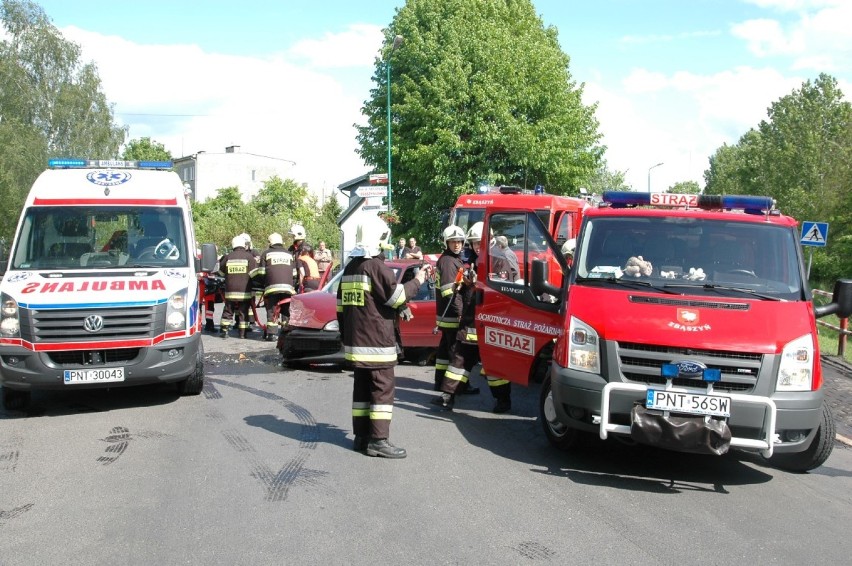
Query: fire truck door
{"points": [[515, 326]]}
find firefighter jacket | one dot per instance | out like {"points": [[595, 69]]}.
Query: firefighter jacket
{"points": [[277, 270], [467, 296], [367, 301], [448, 304], [236, 267]]}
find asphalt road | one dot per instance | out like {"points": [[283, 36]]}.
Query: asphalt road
{"points": [[258, 469]]}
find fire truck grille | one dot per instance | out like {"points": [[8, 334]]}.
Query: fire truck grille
{"points": [[46, 326], [641, 363]]}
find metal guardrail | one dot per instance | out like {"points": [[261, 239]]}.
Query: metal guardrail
{"points": [[842, 329]]}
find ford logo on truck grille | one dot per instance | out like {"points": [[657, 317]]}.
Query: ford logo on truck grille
{"points": [[94, 323], [689, 370]]}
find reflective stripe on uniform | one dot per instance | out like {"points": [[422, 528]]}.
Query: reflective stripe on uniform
{"points": [[493, 381], [457, 374], [442, 364], [447, 290], [381, 412], [397, 297], [369, 354], [356, 282], [447, 322], [237, 296], [279, 288], [360, 409]]}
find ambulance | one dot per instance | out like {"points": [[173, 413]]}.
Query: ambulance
{"points": [[685, 322], [100, 289]]}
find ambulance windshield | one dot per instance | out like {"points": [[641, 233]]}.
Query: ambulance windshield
{"points": [[704, 254], [101, 237]]}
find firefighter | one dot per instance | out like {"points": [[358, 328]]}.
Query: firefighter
{"points": [[276, 271], [368, 302], [236, 267], [297, 232], [464, 353], [447, 299]]}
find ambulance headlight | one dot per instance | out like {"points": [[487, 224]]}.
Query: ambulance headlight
{"points": [[796, 371], [9, 327], [583, 347], [176, 311], [10, 324]]}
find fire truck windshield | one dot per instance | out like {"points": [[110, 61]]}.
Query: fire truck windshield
{"points": [[697, 252]]}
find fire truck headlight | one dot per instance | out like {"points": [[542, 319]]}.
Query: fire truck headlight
{"points": [[176, 311], [797, 365], [583, 347]]}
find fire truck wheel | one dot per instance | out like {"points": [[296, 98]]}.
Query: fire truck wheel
{"points": [[557, 433], [15, 400], [816, 454], [193, 384]]}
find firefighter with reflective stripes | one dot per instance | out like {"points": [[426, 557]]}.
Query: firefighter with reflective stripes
{"points": [[236, 267], [276, 269], [464, 353], [368, 303], [448, 303]]}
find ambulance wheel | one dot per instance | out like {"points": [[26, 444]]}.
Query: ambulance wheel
{"points": [[193, 384], [816, 454], [558, 434], [15, 400]]}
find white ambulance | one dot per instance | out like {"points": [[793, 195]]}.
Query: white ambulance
{"points": [[101, 286]]}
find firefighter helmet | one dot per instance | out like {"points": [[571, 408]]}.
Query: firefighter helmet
{"points": [[238, 242], [371, 238], [474, 234], [275, 238], [247, 239], [297, 231], [568, 247], [452, 232]]}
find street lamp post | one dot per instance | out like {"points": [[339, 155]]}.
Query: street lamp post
{"points": [[649, 174], [397, 41]]}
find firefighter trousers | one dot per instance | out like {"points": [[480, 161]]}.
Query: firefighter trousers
{"points": [[276, 315], [232, 310], [449, 337], [463, 357], [372, 402]]}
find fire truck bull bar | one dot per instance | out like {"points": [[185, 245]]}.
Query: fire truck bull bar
{"points": [[764, 445]]}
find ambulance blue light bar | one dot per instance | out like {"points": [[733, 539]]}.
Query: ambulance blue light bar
{"points": [[747, 203], [63, 163]]}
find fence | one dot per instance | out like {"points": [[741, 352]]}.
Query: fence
{"points": [[842, 329]]}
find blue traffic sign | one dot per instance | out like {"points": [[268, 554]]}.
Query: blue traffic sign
{"points": [[814, 234]]}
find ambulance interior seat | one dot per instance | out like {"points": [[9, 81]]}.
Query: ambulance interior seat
{"points": [[154, 233]]}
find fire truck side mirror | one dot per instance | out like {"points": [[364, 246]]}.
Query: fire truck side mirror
{"points": [[841, 301], [538, 281]]}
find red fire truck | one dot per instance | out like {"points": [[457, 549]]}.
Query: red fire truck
{"points": [[686, 322]]}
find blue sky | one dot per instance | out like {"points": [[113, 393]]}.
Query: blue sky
{"points": [[673, 79]]}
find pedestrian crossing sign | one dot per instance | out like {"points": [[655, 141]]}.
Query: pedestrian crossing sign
{"points": [[814, 233]]}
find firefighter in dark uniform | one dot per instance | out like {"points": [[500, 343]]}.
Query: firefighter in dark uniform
{"points": [[447, 299], [464, 354], [276, 271], [236, 267], [368, 302]]}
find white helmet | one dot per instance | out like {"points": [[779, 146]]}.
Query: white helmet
{"points": [[474, 234], [238, 242], [275, 238], [247, 239], [452, 232], [371, 238], [297, 231], [568, 247]]}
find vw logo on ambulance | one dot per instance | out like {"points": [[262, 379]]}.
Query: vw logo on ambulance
{"points": [[93, 323]]}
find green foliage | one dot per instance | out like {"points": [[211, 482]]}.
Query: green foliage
{"points": [[143, 149], [51, 105], [277, 206], [685, 188], [480, 89], [801, 157], [605, 179]]}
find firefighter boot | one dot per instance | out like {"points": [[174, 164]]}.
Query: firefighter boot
{"points": [[223, 332], [445, 401], [381, 447], [209, 326], [360, 443], [242, 333], [502, 406]]}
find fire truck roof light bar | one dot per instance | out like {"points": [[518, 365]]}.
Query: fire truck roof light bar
{"points": [[63, 163], [747, 203]]}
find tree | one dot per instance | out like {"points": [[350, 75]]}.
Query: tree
{"points": [[144, 149], [480, 91], [605, 179], [800, 157], [685, 188], [51, 105]]}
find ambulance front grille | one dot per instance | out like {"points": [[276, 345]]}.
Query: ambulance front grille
{"points": [[67, 325], [641, 363]]}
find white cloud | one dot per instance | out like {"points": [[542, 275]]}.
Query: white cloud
{"points": [[356, 47], [191, 100]]}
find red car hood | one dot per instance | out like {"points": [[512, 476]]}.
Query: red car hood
{"points": [[313, 310]]}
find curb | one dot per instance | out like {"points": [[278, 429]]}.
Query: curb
{"points": [[843, 440], [839, 364]]}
